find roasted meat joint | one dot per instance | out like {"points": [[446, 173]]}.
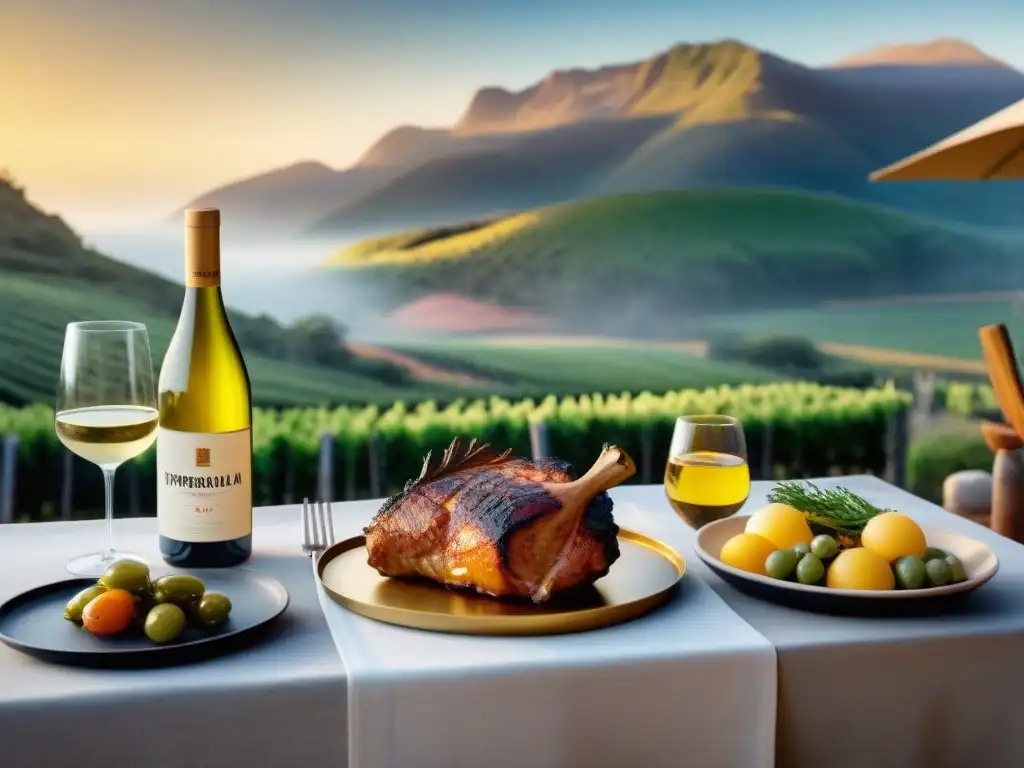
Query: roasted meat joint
{"points": [[503, 526]]}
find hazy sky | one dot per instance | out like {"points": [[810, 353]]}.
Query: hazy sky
{"points": [[125, 109]]}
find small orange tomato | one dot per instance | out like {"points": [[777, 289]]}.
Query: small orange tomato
{"points": [[111, 614]]}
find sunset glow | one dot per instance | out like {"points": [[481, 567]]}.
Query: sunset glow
{"points": [[125, 110]]}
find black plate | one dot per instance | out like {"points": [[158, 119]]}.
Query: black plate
{"points": [[33, 623]]}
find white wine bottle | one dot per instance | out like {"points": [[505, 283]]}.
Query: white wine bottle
{"points": [[204, 438]]}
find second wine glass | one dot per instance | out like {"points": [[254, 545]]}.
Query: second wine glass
{"points": [[706, 476], [106, 411]]}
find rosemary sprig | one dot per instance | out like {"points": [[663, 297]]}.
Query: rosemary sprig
{"points": [[836, 508]]}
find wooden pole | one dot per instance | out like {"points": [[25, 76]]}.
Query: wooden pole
{"points": [[646, 454], [67, 483], [1007, 517], [350, 473], [767, 467], [1001, 363], [325, 470], [289, 474], [7, 478], [897, 441], [133, 489], [375, 473], [1008, 495], [924, 394], [539, 440]]}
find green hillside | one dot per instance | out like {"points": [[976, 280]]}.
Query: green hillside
{"points": [[40, 244], [540, 367], [948, 328], [32, 335], [648, 262], [48, 278]]}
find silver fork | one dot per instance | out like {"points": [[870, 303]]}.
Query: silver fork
{"points": [[317, 528]]}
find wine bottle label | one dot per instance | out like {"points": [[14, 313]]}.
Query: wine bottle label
{"points": [[204, 485]]}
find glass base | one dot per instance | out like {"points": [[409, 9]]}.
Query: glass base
{"points": [[96, 563]]}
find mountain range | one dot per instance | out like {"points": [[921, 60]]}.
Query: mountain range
{"points": [[719, 114]]}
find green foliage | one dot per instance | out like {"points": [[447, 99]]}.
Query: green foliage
{"points": [[967, 399], [815, 430], [933, 459], [319, 339], [791, 356], [778, 352]]}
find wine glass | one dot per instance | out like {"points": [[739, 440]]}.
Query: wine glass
{"points": [[706, 476], [106, 410]]}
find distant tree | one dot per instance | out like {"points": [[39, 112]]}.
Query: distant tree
{"points": [[261, 334], [784, 353], [319, 339]]}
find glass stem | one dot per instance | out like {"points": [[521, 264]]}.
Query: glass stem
{"points": [[108, 492]]}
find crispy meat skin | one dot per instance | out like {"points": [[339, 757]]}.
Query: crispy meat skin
{"points": [[491, 523]]}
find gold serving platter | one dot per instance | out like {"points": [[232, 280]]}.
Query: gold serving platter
{"points": [[643, 578]]}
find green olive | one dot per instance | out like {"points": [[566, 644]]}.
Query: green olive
{"points": [[780, 563], [128, 575], [933, 553], [910, 572], [939, 572], [212, 609], [824, 546], [809, 570], [73, 610], [178, 588], [957, 568], [164, 623], [802, 548]]}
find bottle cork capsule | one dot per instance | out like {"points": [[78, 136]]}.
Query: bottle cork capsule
{"points": [[202, 247], [202, 217]]}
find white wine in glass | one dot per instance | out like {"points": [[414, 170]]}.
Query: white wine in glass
{"points": [[706, 476], [106, 411]]}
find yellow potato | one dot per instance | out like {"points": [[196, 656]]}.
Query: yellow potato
{"points": [[748, 552], [893, 535], [859, 568], [783, 525]]}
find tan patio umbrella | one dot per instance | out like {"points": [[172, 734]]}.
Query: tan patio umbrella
{"points": [[992, 148]]}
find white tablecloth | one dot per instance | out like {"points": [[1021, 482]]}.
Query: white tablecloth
{"points": [[940, 691], [279, 703], [691, 684]]}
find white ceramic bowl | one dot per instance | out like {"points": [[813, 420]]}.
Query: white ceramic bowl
{"points": [[980, 565]]}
